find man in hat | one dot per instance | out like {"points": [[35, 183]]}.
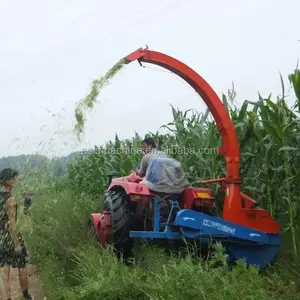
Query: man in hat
{"points": [[12, 249]]}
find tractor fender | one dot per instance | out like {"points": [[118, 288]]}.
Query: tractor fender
{"points": [[131, 188]]}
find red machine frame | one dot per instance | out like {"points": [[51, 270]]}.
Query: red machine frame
{"points": [[238, 207]]}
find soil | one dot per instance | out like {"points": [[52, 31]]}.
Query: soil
{"points": [[35, 287]]}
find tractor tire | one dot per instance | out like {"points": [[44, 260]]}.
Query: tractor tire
{"points": [[122, 222]]}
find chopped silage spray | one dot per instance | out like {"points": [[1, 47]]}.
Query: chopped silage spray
{"points": [[88, 103]]}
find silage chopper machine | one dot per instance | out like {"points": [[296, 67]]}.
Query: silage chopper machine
{"points": [[246, 231]]}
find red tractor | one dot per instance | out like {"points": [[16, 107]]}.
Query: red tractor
{"points": [[132, 211]]}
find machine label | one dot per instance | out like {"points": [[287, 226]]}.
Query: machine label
{"points": [[218, 226]]}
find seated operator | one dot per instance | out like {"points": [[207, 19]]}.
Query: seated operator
{"points": [[150, 151], [161, 173]]}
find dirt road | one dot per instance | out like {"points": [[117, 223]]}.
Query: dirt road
{"points": [[35, 287]]}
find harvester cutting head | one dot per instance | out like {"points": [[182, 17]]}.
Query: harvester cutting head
{"points": [[132, 210]]}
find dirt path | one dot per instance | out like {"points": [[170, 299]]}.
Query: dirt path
{"points": [[35, 287]]}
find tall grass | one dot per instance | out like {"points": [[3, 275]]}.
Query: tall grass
{"points": [[73, 267], [269, 136]]}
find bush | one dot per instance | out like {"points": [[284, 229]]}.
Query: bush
{"points": [[54, 231]]}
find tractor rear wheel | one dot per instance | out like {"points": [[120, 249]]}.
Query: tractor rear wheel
{"points": [[116, 203]]}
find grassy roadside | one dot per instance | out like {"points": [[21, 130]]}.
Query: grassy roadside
{"points": [[73, 267]]}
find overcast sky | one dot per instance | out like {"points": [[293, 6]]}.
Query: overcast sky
{"points": [[52, 50]]}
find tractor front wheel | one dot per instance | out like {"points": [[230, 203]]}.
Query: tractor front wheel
{"points": [[122, 221]]}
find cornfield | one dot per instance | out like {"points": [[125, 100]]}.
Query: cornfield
{"points": [[269, 136]]}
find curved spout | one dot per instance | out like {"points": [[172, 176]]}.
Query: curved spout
{"points": [[230, 147]]}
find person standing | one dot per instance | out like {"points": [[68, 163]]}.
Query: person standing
{"points": [[13, 253]]}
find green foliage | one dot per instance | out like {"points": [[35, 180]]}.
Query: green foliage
{"points": [[120, 157], [55, 230], [295, 81]]}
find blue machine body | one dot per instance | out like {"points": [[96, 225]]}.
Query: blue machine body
{"points": [[255, 247]]}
